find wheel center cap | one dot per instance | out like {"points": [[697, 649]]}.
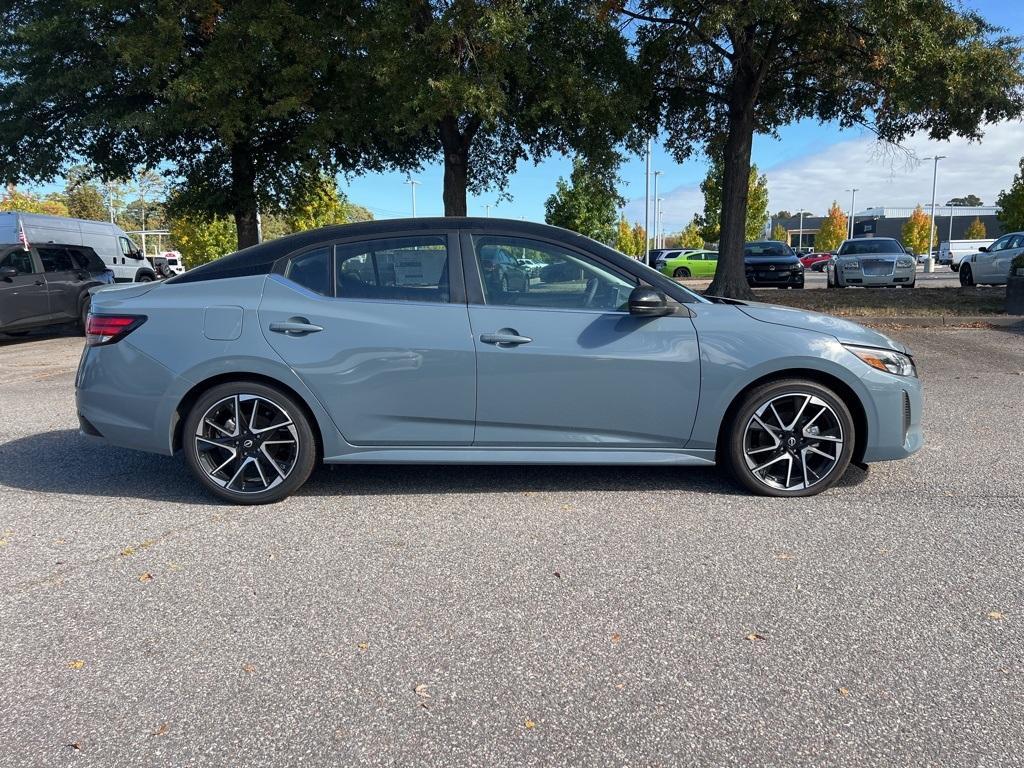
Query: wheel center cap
{"points": [[791, 442], [247, 444]]}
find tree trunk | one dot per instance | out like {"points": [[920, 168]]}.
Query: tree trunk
{"points": [[456, 144], [243, 195], [730, 275]]}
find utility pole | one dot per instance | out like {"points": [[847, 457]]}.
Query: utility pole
{"points": [[647, 207], [655, 241], [412, 187], [488, 209], [929, 265], [853, 211], [800, 237], [659, 228]]}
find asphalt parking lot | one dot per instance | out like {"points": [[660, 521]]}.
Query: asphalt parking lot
{"points": [[941, 277], [516, 616]]}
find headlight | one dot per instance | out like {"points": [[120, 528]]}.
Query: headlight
{"points": [[885, 360], [904, 263]]}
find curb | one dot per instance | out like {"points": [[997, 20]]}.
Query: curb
{"points": [[944, 321]]}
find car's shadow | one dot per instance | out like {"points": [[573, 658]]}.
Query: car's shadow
{"points": [[50, 332], [64, 462]]}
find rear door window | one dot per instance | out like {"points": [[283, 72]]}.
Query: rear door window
{"points": [[393, 269], [311, 270], [56, 259]]}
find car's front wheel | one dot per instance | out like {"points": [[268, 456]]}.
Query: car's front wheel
{"points": [[789, 438], [966, 276], [249, 443]]}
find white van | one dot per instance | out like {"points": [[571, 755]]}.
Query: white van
{"points": [[119, 253], [952, 252]]}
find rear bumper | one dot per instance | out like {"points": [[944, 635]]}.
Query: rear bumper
{"points": [[120, 396]]}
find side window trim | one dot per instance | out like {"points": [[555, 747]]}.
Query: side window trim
{"points": [[456, 280]]}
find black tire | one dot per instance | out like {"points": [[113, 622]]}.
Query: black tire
{"points": [[681, 272], [83, 311], [305, 451], [966, 276], [144, 277], [734, 451], [955, 267]]}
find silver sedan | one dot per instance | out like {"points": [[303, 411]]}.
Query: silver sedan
{"points": [[872, 262]]}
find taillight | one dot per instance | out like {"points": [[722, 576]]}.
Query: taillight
{"points": [[109, 329]]}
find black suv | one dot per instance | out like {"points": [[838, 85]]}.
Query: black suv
{"points": [[772, 263], [47, 285]]}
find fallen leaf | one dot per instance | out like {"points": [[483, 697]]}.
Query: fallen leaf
{"points": [[174, 566], [616, 637], [147, 576], [75, 746], [844, 691], [995, 615], [558, 575], [754, 637], [620, 686], [127, 551], [248, 668], [421, 691], [362, 646], [529, 724], [76, 664], [4, 542], [566, 507], [784, 556], [161, 729]]}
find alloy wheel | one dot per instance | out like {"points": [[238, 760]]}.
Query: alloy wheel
{"points": [[793, 441], [246, 444]]}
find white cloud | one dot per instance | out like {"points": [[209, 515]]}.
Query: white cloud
{"points": [[884, 176]]}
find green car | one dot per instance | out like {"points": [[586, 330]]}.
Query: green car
{"points": [[688, 264]]}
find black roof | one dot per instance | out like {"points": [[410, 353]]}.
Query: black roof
{"points": [[259, 259]]}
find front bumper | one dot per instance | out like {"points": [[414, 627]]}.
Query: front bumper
{"points": [[758, 279], [898, 404]]}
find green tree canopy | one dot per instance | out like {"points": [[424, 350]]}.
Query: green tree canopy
{"points": [[242, 98], [26, 202], [201, 239], [1011, 203], [587, 203], [690, 237], [968, 201], [756, 209], [779, 233], [485, 85], [725, 70]]}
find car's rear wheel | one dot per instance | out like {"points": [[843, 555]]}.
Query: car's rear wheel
{"points": [[681, 272], [249, 443], [966, 276], [790, 438]]}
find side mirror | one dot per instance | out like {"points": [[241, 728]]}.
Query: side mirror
{"points": [[647, 302], [983, 249], [6, 273]]}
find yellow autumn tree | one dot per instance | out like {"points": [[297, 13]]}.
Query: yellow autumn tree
{"points": [[833, 229], [916, 231], [976, 230], [26, 202]]}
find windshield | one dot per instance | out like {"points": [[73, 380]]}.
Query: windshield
{"points": [[870, 245], [767, 249]]}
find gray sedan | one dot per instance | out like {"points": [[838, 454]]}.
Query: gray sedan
{"points": [[872, 262], [383, 342]]}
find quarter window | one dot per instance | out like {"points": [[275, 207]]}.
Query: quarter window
{"points": [[311, 270], [393, 269], [565, 280]]}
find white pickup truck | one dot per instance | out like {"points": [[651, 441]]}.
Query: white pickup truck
{"points": [[952, 252]]}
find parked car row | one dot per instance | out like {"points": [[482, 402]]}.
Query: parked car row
{"points": [[47, 285], [872, 262], [990, 264]]}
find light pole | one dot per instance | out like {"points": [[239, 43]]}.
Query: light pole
{"points": [[488, 208], [853, 211], [412, 188], [930, 264], [647, 207], [800, 237], [655, 240], [659, 219]]}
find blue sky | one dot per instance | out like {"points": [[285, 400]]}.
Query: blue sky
{"points": [[807, 166]]}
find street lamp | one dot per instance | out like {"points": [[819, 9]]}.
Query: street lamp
{"points": [[659, 225], [930, 264], [853, 210], [647, 207], [412, 187], [656, 175], [800, 237]]}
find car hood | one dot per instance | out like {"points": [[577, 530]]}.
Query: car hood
{"points": [[844, 330], [892, 255]]}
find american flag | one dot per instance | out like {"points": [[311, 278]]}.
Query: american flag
{"points": [[21, 235]]}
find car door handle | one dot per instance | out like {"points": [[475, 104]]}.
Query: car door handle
{"points": [[40, 282], [505, 338], [296, 326]]}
